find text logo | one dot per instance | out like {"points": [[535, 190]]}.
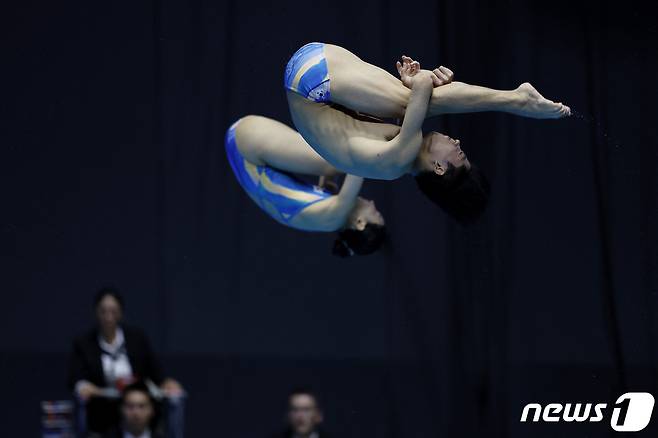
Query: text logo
{"points": [[631, 412]]}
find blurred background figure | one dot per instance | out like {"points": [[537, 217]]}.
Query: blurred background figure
{"points": [[138, 414], [107, 359], [304, 416]]}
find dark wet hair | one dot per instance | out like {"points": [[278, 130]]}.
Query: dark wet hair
{"points": [[107, 291], [462, 193], [354, 242]]}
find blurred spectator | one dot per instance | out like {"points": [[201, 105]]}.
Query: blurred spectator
{"points": [[108, 358], [304, 416], [137, 414]]}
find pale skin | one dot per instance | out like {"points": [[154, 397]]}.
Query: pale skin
{"points": [[367, 149], [386, 151], [304, 415], [137, 412], [263, 141]]}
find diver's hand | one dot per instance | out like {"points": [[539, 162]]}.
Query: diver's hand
{"points": [[422, 79], [407, 69], [443, 76]]}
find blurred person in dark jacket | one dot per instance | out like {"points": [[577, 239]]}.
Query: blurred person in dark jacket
{"points": [[109, 357], [304, 416]]}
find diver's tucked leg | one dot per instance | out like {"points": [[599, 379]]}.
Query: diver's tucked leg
{"points": [[525, 101], [363, 87], [268, 142]]}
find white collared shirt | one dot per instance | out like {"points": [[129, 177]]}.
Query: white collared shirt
{"points": [[115, 358], [146, 434]]}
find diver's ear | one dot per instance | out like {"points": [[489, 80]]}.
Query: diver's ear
{"points": [[360, 224], [439, 169]]}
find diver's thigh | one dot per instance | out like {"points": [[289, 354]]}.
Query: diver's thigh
{"points": [[363, 87]]}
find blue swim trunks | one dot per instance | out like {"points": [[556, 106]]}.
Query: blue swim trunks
{"points": [[307, 74], [279, 194]]}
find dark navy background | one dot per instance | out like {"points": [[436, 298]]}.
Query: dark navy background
{"points": [[113, 171]]}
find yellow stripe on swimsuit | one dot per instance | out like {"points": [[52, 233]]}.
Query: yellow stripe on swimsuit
{"points": [[307, 74]]}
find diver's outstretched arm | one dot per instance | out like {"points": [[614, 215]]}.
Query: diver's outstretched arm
{"points": [[333, 212], [350, 189]]}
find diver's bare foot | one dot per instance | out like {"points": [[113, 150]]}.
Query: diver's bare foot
{"points": [[534, 105]]}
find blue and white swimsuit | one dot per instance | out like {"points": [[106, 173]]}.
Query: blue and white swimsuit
{"points": [[307, 73], [279, 194]]}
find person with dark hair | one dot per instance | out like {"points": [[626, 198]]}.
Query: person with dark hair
{"points": [[462, 192], [109, 357], [264, 154], [305, 417], [138, 414], [321, 76], [359, 241]]}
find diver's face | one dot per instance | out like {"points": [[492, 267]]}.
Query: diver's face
{"points": [[366, 213], [439, 151]]}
